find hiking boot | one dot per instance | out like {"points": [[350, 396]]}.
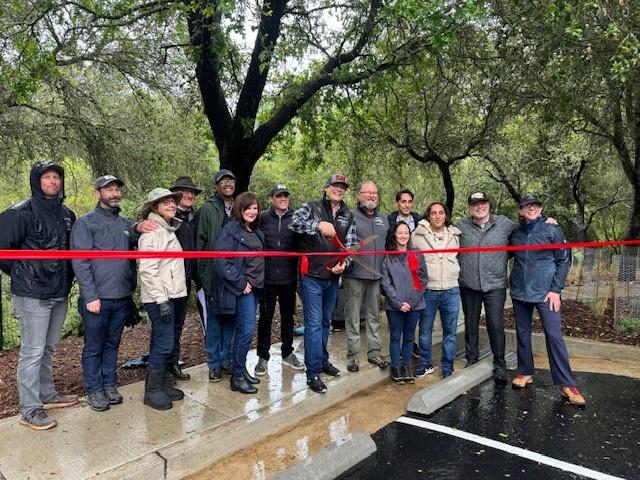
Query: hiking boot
{"points": [[424, 370], [98, 401], [470, 363], [397, 376], [38, 420], [242, 385], [154, 395], [215, 374], [500, 376], [406, 374], [168, 388], [573, 395], [329, 369], [177, 372], [293, 362], [379, 361], [353, 365], [112, 394], [521, 380], [445, 374], [61, 401], [261, 367], [316, 384]]}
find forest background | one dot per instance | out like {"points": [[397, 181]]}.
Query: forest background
{"points": [[443, 97]]}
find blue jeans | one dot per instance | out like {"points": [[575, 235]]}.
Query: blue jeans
{"points": [[447, 302], [556, 349], [102, 333], [402, 326], [219, 335], [318, 301], [161, 338], [40, 324], [179, 314], [246, 307]]}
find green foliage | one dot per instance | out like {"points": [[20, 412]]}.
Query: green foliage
{"points": [[629, 325]]}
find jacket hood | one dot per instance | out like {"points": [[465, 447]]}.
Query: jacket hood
{"points": [[34, 178]]}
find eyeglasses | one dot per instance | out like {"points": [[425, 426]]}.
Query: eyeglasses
{"points": [[532, 206], [168, 201], [371, 194], [227, 181]]}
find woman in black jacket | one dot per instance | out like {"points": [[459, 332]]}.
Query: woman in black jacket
{"points": [[239, 281], [404, 278]]}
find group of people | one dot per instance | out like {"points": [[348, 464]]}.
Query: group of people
{"points": [[416, 284]]}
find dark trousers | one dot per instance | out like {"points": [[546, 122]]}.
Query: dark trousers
{"points": [[179, 315], [102, 333], [402, 328], [285, 295], [161, 341], [556, 348], [245, 321], [493, 301]]}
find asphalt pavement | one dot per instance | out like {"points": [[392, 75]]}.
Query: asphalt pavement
{"points": [[495, 432]]}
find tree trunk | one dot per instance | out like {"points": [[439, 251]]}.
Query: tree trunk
{"points": [[633, 230], [241, 163], [447, 181]]}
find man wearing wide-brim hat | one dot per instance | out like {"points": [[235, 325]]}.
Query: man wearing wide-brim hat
{"points": [[186, 234]]}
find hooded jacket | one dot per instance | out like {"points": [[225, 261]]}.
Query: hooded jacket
{"points": [[161, 279], [38, 223], [442, 268], [397, 282]]}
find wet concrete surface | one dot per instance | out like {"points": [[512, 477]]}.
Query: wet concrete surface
{"points": [[605, 436]]}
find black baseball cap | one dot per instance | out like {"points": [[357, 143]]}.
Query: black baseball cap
{"points": [[105, 180], [223, 173], [477, 197], [529, 200], [278, 189]]}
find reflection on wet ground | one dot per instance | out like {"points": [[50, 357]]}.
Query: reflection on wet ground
{"points": [[604, 437]]}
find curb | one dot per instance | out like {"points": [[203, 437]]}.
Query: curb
{"points": [[333, 460], [436, 396]]}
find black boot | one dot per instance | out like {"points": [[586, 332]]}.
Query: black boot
{"points": [[177, 372], [396, 376], [168, 388], [250, 378], [406, 373], [154, 396], [242, 385]]}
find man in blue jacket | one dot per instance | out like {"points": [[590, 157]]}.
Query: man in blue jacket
{"points": [[105, 290], [39, 289]]}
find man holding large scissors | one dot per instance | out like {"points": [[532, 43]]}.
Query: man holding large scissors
{"points": [[326, 225]]}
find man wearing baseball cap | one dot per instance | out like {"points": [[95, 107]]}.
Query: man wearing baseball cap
{"points": [[280, 280], [210, 218], [105, 290], [483, 279], [323, 224]]}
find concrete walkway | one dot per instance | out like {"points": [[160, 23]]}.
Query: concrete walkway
{"points": [[132, 441]]}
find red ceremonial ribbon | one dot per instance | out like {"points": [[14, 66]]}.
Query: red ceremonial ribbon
{"points": [[135, 254], [414, 264]]}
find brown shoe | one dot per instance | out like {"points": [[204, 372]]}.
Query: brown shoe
{"points": [[379, 361], [573, 395], [353, 365], [61, 401], [521, 381]]}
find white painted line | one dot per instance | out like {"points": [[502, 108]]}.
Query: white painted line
{"points": [[521, 452]]}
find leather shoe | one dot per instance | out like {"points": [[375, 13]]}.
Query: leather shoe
{"points": [[500, 376], [521, 380], [573, 395], [177, 373], [251, 379], [241, 385], [215, 374]]}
